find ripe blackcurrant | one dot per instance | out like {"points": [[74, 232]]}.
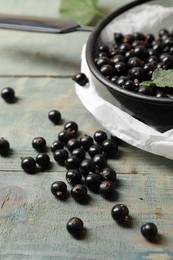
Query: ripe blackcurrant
{"points": [[59, 189], [94, 149], [71, 126], [4, 146], [110, 147], [79, 152], [73, 176], [72, 144], [86, 166], [54, 116], [86, 141], [107, 189], [149, 230], [56, 145], [39, 143], [72, 162], [99, 161], [28, 164], [43, 160], [120, 212], [92, 181], [81, 79], [100, 136], [79, 192], [108, 174], [8, 94], [75, 226], [65, 135], [60, 156]]}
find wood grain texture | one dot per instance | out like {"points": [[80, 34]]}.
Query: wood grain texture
{"points": [[33, 222]]}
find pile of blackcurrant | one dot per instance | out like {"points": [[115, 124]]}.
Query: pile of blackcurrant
{"points": [[132, 58], [85, 158]]}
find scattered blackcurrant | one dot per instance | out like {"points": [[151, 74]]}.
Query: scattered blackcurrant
{"points": [[107, 189], [59, 189], [56, 145], [72, 162], [4, 146], [28, 164], [120, 213], [74, 226], [54, 116], [39, 143], [43, 160], [60, 156], [81, 79], [8, 94], [149, 230], [73, 176], [79, 192]]}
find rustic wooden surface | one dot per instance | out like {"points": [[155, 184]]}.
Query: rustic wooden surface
{"points": [[32, 222]]}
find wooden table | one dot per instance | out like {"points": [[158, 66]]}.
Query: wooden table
{"points": [[33, 223]]}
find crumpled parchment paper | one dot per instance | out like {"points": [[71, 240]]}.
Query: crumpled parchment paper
{"points": [[106, 109]]}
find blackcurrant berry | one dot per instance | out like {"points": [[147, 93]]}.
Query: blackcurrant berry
{"points": [[117, 58], [79, 152], [73, 176], [108, 174], [94, 149], [141, 52], [120, 68], [28, 164], [118, 37], [100, 136], [72, 162], [107, 70], [65, 135], [107, 189], [86, 141], [99, 161], [80, 79], [86, 166], [146, 90], [60, 156], [92, 181], [75, 226], [39, 143], [102, 61], [72, 144], [59, 189], [120, 212], [71, 126], [4, 146], [8, 94], [43, 160], [149, 230], [56, 145], [54, 116], [79, 192], [110, 147]]}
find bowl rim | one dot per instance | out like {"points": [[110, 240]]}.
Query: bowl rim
{"points": [[94, 70]]}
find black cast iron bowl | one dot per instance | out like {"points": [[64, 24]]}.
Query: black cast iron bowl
{"points": [[153, 111]]}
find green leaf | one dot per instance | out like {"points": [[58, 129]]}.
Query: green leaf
{"points": [[80, 11], [161, 78]]}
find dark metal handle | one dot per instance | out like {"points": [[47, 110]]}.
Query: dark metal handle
{"points": [[40, 24]]}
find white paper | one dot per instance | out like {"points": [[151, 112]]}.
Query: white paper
{"points": [[106, 110]]}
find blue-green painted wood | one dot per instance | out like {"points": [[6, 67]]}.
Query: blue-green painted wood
{"points": [[32, 221]]}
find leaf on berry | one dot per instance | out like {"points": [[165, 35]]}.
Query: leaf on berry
{"points": [[161, 78], [82, 12]]}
